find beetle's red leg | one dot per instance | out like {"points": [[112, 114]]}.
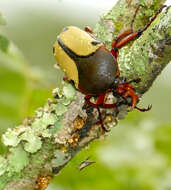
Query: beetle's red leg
{"points": [[152, 19], [88, 29], [87, 98], [134, 98], [133, 19], [126, 90], [119, 38], [100, 101], [114, 50], [101, 120], [126, 32], [127, 38]]}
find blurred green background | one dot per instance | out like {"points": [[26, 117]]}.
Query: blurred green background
{"points": [[136, 155]]}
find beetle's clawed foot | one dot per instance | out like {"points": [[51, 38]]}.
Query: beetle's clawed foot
{"points": [[126, 90], [144, 109]]}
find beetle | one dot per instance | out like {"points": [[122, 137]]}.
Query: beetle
{"points": [[94, 69]]}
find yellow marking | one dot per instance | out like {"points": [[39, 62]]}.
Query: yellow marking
{"points": [[66, 63], [79, 41]]}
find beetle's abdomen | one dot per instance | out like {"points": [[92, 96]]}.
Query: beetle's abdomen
{"points": [[97, 72]]}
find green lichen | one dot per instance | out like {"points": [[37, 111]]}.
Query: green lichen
{"points": [[57, 126], [39, 125], [65, 90], [33, 142], [10, 138], [47, 121], [101, 32], [39, 112], [68, 94], [60, 109], [3, 165], [58, 91], [17, 159], [68, 91]]}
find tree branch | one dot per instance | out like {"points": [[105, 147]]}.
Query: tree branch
{"points": [[41, 146]]}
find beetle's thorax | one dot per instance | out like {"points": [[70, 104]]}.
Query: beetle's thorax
{"points": [[97, 72]]}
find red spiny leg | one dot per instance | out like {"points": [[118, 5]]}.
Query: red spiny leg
{"points": [[101, 120], [133, 19], [152, 19], [126, 40], [87, 98], [99, 103], [134, 98], [120, 36], [100, 100], [126, 90], [126, 36], [114, 49]]}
